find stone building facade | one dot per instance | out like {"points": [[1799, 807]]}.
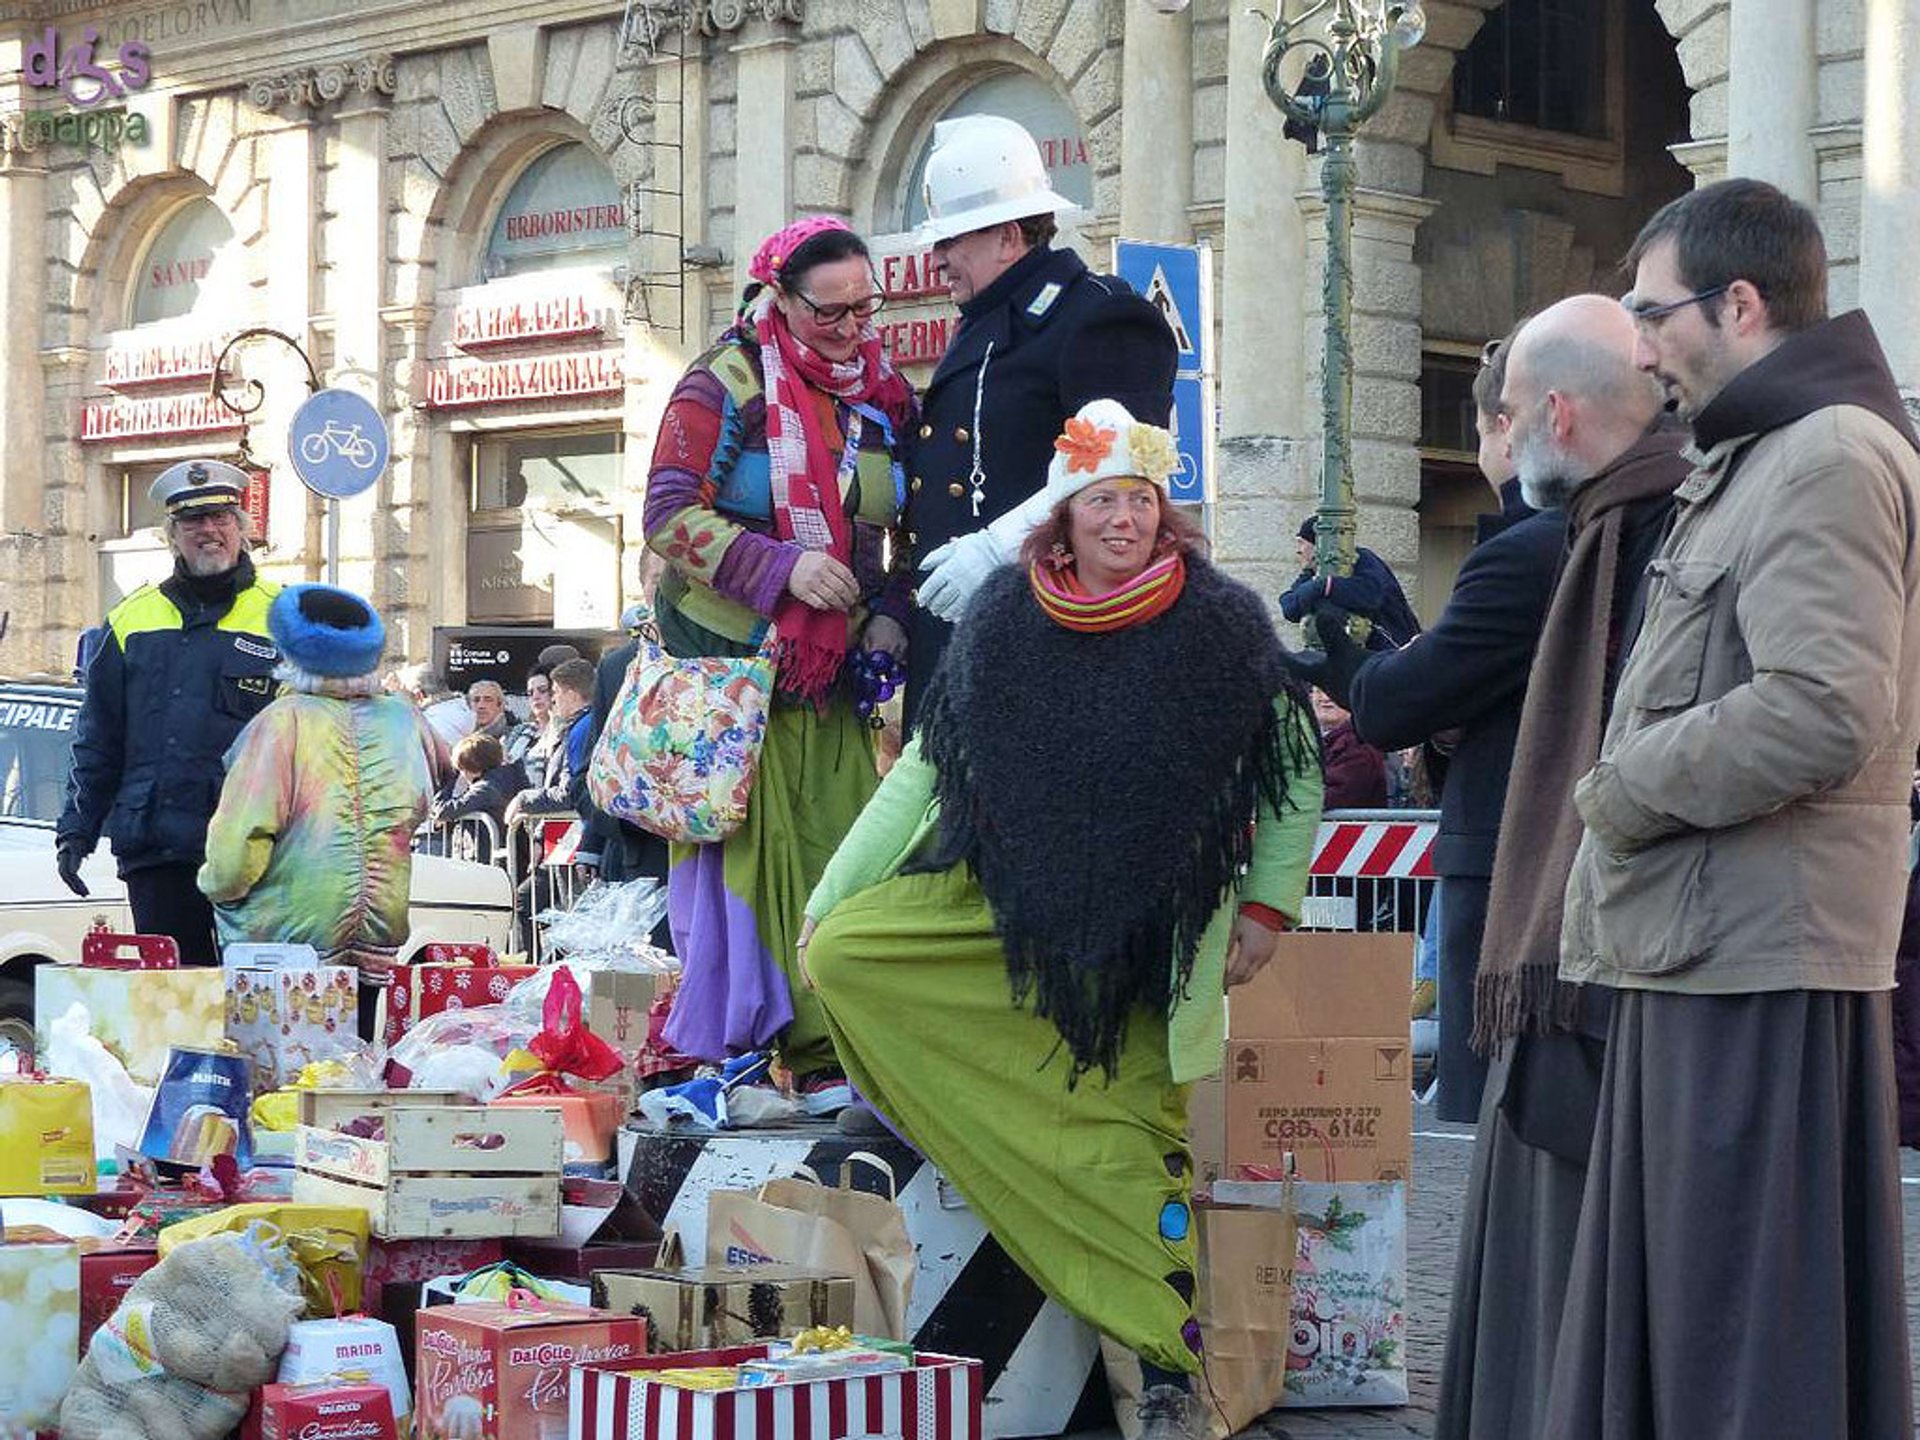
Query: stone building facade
{"points": [[509, 228]]}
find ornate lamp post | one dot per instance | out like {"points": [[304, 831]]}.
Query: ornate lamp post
{"points": [[1353, 61]]}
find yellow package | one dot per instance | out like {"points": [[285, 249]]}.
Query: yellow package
{"points": [[322, 1075], [46, 1136], [711, 1377], [329, 1243], [277, 1110]]}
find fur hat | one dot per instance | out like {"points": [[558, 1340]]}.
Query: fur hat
{"points": [[1105, 442], [327, 631]]}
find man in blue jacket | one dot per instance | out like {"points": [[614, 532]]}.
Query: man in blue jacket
{"points": [[181, 668], [1372, 591]]}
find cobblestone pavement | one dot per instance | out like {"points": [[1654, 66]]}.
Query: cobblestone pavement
{"points": [[1442, 1155]]}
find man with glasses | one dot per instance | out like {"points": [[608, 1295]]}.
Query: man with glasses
{"points": [[1040, 335], [182, 667], [1739, 882]]}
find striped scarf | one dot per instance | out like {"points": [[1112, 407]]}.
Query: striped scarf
{"points": [[1148, 594]]}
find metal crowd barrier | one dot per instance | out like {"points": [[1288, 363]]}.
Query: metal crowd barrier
{"points": [[1372, 870], [543, 859], [468, 837]]}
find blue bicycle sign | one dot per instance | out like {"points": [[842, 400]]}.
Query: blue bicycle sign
{"points": [[338, 443]]}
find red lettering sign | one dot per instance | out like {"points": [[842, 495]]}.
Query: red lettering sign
{"points": [[913, 275], [159, 365], [917, 342], [562, 318], [455, 384], [180, 272], [538, 225], [254, 499], [123, 419]]}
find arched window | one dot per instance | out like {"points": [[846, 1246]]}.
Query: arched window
{"points": [[1047, 116], [188, 268], [565, 209]]}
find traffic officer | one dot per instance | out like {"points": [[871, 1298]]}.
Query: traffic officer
{"points": [[1039, 336], [182, 666]]}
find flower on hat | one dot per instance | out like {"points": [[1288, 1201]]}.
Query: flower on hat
{"points": [[1085, 444], [1153, 453]]}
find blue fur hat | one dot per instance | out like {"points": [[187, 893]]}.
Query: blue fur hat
{"points": [[327, 631]]}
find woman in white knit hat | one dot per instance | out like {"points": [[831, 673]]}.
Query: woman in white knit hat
{"points": [[1024, 942]]}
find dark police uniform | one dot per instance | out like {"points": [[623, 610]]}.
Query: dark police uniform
{"points": [[1051, 335], [181, 669]]}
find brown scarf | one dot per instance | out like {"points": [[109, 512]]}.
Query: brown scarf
{"points": [[1518, 987]]}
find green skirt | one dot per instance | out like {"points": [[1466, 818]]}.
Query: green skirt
{"points": [[1089, 1189]]}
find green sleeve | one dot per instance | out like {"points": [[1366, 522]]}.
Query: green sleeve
{"points": [[881, 836], [255, 802], [1283, 841]]}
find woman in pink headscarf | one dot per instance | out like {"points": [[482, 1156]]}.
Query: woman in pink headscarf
{"points": [[776, 479]]}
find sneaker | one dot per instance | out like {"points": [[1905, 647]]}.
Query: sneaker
{"points": [[1169, 1413], [824, 1093]]}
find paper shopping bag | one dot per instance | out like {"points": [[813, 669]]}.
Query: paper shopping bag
{"points": [[799, 1221], [1243, 1303]]}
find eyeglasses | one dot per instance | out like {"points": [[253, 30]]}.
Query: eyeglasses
{"points": [[1489, 350], [830, 315], [1646, 315]]}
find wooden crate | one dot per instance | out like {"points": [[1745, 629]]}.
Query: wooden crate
{"points": [[336, 1109], [444, 1171]]}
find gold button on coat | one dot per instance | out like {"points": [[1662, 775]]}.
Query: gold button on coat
{"points": [[914, 486], [956, 489], [926, 432], [961, 435]]}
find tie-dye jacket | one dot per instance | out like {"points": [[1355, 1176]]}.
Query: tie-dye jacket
{"points": [[311, 840]]}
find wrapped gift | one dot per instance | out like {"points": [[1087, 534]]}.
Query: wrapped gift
{"points": [[46, 1136], [330, 1410], [39, 1330], [938, 1398], [285, 1018], [418, 991], [349, 1348], [139, 1015], [710, 1307], [589, 1121], [501, 1372]]}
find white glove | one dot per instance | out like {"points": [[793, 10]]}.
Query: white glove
{"points": [[957, 568]]}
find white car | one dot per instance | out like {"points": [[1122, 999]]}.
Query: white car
{"points": [[42, 921]]}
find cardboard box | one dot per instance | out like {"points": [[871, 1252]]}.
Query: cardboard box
{"points": [[397, 1268], [349, 1349], [710, 1307], [617, 1006], [589, 1120], [46, 1136], [283, 1019], [106, 1274], [329, 1410], [448, 1170], [601, 1228], [39, 1330], [139, 1015], [492, 1372], [1318, 1065], [419, 991], [938, 1399]]}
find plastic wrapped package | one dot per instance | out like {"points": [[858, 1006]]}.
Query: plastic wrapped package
{"points": [[463, 1049], [609, 925], [120, 1103]]}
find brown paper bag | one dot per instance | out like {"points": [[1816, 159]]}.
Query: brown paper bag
{"points": [[1244, 1304], [799, 1221]]}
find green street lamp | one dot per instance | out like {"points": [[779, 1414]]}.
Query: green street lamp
{"points": [[1353, 59]]}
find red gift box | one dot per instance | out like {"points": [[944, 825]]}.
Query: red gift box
{"points": [[105, 1277], [938, 1399], [397, 1268], [500, 1372], [418, 991], [325, 1411]]}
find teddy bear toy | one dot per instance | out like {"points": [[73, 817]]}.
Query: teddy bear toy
{"points": [[187, 1345]]}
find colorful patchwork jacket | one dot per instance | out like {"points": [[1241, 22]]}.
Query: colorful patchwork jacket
{"points": [[312, 838], [709, 508]]}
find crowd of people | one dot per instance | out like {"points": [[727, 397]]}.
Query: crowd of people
{"points": [[1668, 711]]}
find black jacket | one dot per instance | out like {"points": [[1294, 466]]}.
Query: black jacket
{"points": [[1060, 336], [1469, 672], [1372, 590], [489, 795], [183, 666]]}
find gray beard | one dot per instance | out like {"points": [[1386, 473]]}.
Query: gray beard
{"points": [[1548, 492]]}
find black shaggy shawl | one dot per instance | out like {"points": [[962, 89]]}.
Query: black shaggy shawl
{"points": [[1103, 787]]}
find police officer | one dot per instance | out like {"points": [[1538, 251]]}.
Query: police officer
{"points": [[182, 666], [1040, 335]]}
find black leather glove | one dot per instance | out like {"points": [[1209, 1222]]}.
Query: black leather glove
{"points": [[1333, 666], [66, 859]]}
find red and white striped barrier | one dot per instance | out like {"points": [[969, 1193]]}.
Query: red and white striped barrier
{"points": [[1375, 849]]}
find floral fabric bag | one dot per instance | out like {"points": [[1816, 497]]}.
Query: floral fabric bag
{"points": [[682, 743]]}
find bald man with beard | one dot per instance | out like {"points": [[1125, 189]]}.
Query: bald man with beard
{"points": [[1588, 436]]}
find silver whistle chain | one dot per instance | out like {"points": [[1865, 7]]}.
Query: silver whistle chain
{"points": [[977, 477]]}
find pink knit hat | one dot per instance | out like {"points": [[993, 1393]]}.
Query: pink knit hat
{"points": [[775, 250]]}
